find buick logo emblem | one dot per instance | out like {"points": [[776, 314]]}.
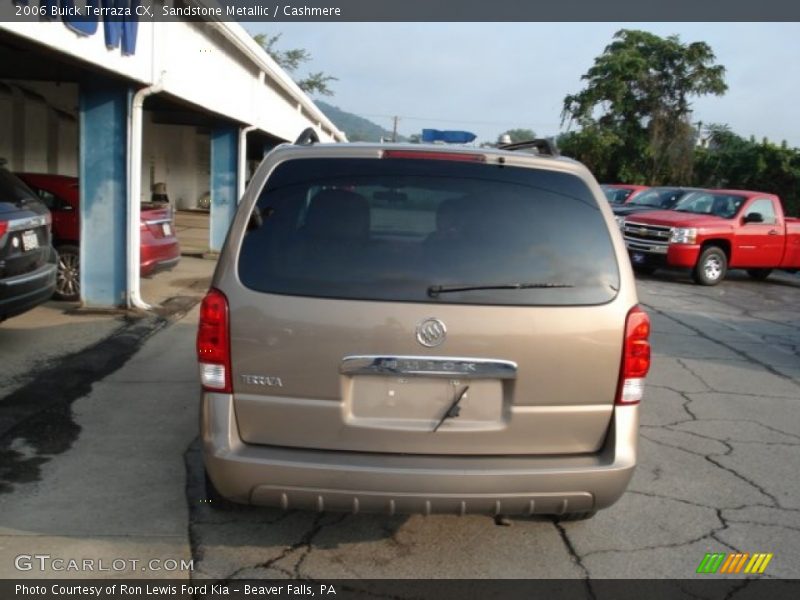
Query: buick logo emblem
{"points": [[431, 332]]}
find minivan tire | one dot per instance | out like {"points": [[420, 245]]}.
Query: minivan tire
{"points": [[214, 499], [576, 516], [711, 267]]}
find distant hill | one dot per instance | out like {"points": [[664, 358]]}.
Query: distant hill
{"points": [[357, 129]]}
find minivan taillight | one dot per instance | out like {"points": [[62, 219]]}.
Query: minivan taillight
{"points": [[635, 357], [434, 155], [213, 343]]}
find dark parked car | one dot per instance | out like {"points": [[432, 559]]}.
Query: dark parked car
{"points": [[27, 259], [656, 198], [159, 245], [621, 193]]}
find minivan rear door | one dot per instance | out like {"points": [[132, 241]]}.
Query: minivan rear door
{"points": [[412, 305]]}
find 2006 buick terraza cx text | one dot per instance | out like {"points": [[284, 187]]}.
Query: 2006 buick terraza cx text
{"points": [[419, 329]]}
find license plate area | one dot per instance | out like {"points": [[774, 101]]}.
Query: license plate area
{"points": [[30, 241], [167, 229], [418, 403], [638, 258]]}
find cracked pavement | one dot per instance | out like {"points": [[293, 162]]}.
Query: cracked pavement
{"points": [[719, 458]]}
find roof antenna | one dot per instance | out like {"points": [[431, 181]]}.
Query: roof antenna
{"points": [[544, 146], [308, 137]]}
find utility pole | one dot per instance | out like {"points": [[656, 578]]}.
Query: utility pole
{"points": [[394, 130]]}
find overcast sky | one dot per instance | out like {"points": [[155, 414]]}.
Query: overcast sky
{"points": [[490, 77]]}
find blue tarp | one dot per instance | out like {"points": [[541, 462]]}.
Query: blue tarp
{"points": [[449, 137]]}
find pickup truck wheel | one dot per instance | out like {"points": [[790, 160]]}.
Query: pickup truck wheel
{"points": [[759, 274], [711, 266]]}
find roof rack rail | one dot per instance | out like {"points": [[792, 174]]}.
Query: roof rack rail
{"points": [[308, 137], [545, 146]]}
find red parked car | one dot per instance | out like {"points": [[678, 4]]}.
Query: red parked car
{"points": [[159, 246]]}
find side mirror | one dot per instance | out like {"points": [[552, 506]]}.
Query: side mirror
{"points": [[753, 217]]}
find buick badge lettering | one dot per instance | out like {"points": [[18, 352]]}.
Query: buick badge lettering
{"points": [[422, 366], [431, 332], [265, 380]]}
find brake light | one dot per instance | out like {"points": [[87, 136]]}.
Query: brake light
{"points": [[427, 155], [635, 357], [3, 228], [213, 343]]}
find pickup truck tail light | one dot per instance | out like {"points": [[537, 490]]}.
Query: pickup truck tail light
{"points": [[213, 343], [3, 228], [635, 357]]}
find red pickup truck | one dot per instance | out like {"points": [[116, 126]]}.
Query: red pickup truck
{"points": [[710, 231]]}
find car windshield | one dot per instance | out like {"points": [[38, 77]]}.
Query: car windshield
{"points": [[395, 229], [661, 198], [616, 195], [710, 203]]}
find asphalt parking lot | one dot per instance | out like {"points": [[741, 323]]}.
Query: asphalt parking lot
{"points": [[719, 456]]}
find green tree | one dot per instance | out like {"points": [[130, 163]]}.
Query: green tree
{"points": [[636, 104], [598, 148], [290, 61], [731, 161]]}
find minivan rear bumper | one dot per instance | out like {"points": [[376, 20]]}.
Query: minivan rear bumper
{"points": [[326, 480]]}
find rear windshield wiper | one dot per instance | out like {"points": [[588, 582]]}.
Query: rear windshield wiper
{"points": [[435, 290]]}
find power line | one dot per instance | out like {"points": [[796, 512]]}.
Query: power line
{"points": [[464, 121]]}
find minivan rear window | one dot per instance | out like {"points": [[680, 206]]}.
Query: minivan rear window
{"points": [[428, 231]]}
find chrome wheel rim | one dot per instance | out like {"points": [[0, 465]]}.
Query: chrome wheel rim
{"points": [[713, 268], [68, 282]]}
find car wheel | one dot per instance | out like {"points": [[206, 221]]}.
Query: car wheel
{"points": [[759, 274], [68, 278], [711, 266], [576, 516], [643, 270]]}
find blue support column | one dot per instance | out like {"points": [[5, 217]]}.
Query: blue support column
{"points": [[224, 187], [103, 173]]}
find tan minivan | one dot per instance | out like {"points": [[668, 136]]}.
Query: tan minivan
{"points": [[422, 329]]}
